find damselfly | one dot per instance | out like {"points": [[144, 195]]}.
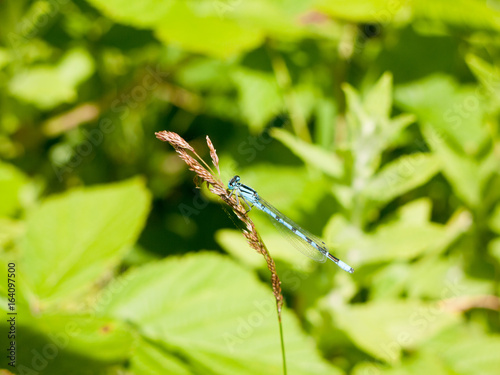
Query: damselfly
{"points": [[304, 241]]}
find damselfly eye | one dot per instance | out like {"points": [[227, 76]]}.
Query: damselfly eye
{"points": [[232, 183]]}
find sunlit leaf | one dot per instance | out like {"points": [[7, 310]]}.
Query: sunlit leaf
{"points": [[214, 314], [402, 175], [362, 10], [494, 248], [466, 14], [213, 35], [467, 350], [487, 74], [370, 127], [462, 172], [222, 28], [417, 211], [148, 358], [495, 219], [71, 239], [378, 101], [454, 113], [280, 249], [385, 328], [61, 343], [11, 182], [63, 79], [394, 241], [326, 161], [259, 97]]}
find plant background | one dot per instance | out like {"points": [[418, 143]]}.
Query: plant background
{"points": [[374, 124]]}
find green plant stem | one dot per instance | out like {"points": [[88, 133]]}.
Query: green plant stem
{"points": [[282, 339]]}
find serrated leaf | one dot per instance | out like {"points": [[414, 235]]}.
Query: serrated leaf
{"points": [[316, 156], [401, 176], [213, 313], [71, 239], [384, 328]]}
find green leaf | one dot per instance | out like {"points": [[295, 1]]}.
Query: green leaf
{"points": [[401, 241], [467, 351], [401, 176], [371, 130], [466, 14], [63, 79], [390, 281], [11, 182], [233, 242], [455, 113], [73, 238], [280, 249], [495, 219], [487, 74], [217, 36], [59, 343], [220, 28], [150, 359], [416, 364], [373, 11], [384, 328], [462, 172], [215, 315], [303, 192], [398, 240], [378, 101], [326, 114], [313, 155], [10, 231], [416, 212], [442, 279], [259, 97], [494, 248]]}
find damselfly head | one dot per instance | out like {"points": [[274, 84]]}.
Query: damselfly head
{"points": [[233, 182]]}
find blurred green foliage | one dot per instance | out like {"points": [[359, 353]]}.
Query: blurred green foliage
{"points": [[372, 123]]}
